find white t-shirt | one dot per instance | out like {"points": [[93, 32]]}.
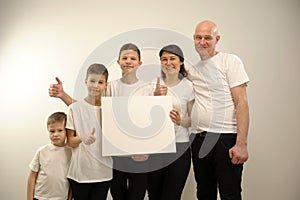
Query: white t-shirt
{"points": [[118, 88], [87, 163], [182, 93], [214, 109], [52, 163]]}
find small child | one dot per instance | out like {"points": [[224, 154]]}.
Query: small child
{"points": [[89, 173], [48, 169]]}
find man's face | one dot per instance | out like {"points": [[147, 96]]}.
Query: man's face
{"points": [[205, 40]]}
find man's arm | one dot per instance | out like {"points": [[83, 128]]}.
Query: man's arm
{"points": [[239, 153]]}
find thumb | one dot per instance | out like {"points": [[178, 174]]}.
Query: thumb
{"points": [[93, 131], [158, 81], [230, 153], [58, 80]]}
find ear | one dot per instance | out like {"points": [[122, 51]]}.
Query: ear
{"points": [[218, 37], [140, 63]]}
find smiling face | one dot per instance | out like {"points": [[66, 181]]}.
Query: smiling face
{"points": [[57, 133], [96, 84], [170, 63], [129, 61], [206, 38]]}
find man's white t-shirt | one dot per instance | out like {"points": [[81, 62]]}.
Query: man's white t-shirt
{"points": [[214, 109]]}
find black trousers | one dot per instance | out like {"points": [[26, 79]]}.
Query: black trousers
{"points": [[89, 191], [129, 179], [213, 170], [168, 182]]}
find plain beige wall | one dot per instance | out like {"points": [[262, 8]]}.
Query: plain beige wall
{"points": [[43, 39]]}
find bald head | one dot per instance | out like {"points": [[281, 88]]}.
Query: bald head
{"points": [[206, 38], [207, 25]]}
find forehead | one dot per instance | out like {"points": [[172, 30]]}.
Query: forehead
{"points": [[168, 54], [56, 125], [129, 53], [203, 29], [96, 76]]}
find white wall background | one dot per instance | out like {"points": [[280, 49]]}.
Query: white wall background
{"points": [[41, 39]]}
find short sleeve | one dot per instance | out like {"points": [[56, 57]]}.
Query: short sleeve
{"points": [[35, 162], [70, 119], [236, 74]]}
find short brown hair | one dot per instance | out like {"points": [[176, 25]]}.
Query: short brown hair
{"points": [[97, 69], [57, 117]]}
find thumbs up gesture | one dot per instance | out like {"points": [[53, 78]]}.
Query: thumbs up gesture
{"points": [[90, 139], [160, 90], [56, 90]]}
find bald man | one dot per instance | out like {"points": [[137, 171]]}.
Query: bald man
{"points": [[220, 117]]}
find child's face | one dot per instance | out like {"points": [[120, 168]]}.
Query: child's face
{"points": [[128, 61], [57, 133], [170, 63], [96, 84]]}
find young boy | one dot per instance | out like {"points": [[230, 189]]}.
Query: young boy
{"points": [[48, 169], [89, 173]]}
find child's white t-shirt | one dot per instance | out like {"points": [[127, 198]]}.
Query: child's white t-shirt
{"points": [[87, 163], [52, 164]]}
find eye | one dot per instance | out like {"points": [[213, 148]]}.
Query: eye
{"points": [[208, 37]]}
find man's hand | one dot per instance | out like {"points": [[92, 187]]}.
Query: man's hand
{"points": [[238, 153]]}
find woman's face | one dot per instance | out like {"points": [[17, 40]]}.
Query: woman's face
{"points": [[170, 63]]}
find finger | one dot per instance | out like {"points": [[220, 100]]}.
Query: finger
{"points": [[58, 80], [230, 154], [93, 131]]}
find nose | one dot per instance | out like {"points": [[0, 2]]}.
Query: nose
{"points": [[128, 60], [55, 134], [168, 62], [202, 41]]}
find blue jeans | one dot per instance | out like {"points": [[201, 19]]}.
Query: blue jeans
{"points": [[214, 170]]}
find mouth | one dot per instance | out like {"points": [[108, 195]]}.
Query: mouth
{"points": [[168, 68]]}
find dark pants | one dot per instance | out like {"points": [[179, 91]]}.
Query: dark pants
{"points": [[214, 170], [129, 179], [89, 191], [168, 182]]}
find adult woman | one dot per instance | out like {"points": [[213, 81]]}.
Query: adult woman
{"points": [[170, 170]]}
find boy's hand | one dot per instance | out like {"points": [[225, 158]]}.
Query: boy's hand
{"points": [[90, 139], [56, 90], [140, 157], [160, 90]]}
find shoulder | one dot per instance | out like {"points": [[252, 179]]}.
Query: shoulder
{"points": [[230, 57]]}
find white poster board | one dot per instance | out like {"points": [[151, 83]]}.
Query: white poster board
{"points": [[137, 125]]}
